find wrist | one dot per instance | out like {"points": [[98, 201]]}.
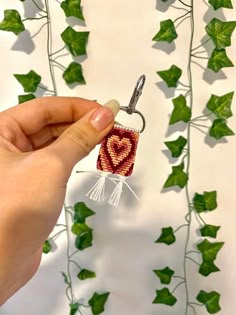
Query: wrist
{"points": [[14, 276]]}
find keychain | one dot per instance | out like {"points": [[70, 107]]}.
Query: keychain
{"points": [[117, 153]]}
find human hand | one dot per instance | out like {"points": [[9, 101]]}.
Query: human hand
{"points": [[40, 142]]}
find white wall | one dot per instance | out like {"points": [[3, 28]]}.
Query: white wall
{"points": [[124, 254]]}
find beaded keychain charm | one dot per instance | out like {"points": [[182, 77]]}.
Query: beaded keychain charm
{"points": [[117, 153]]}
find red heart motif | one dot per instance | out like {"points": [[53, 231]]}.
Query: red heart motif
{"points": [[117, 152], [119, 149]]}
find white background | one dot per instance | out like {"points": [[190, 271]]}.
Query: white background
{"points": [[124, 253]]}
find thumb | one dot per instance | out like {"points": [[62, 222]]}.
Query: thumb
{"points": [[80, 138]]}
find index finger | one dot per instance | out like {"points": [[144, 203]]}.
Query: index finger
{"points": [[40, 112]]}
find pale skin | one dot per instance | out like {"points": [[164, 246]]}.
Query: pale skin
{"points": [[40, 143]]}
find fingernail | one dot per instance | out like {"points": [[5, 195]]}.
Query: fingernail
{"points": [[105, 115], [114, 106]]}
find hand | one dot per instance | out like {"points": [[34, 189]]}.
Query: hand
{"points": [[40, 142]]}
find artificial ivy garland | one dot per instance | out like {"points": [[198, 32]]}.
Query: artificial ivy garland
{"points": [[75, 216], [218, 111]]}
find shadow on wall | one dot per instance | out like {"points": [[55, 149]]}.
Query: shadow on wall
{"points": [[30, 8], [164, 6]]}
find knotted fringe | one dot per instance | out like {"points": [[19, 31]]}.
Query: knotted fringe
{"points": [[97, 192], [116, 194]]}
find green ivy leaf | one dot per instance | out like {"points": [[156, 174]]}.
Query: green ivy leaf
{"points": [[72, 8], [221, 105], [165, 275], [164, 297], [29, 81], [210, 199], [97, 302], [181, 111], [65, 277], [219, 60], [47, 247], [205, 202], [12, 22], [171, 76], [25, 98], [82, 212], [167, 236], [219, 129], [74, 74], [210, 300], [217, 4], [220, 32], [209, 230], [207, 267], [76, 41], [177, 178], [84, 240], [167, 32], [199, 203], [74, 308], [176, 147], [209, 250], [86, 274], [80, 228]]}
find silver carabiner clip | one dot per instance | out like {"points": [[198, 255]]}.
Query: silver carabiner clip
{"points": [[131, 108]]}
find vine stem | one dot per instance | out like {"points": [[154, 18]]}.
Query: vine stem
{"points": [[189, 214], [202, 44], [178, 285], [180, 227], [182, 16], [59, 50], [35, 18], [185, 4], [67, 212], [49, 47], [70, 286], [56, 235], [37, 6]]}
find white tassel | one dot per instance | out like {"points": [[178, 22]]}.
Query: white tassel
{"points": [[96, 193], [116, 194]]}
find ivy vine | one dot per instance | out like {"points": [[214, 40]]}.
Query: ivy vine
{"points": [[75, 43], [217, 112]]}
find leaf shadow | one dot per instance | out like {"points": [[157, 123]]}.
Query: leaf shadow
{"points": [[166, 47], [73, 21], [24, 43], [80, 59], [30, 9], [212, 142], [210, 76], [167, 154], [168, 92], [210, 13], [169, 189], [177, 127], [42, 90], [163, 6], [74, 85]]}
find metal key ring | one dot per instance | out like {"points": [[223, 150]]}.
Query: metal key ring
{"points": [[131, 108]]}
